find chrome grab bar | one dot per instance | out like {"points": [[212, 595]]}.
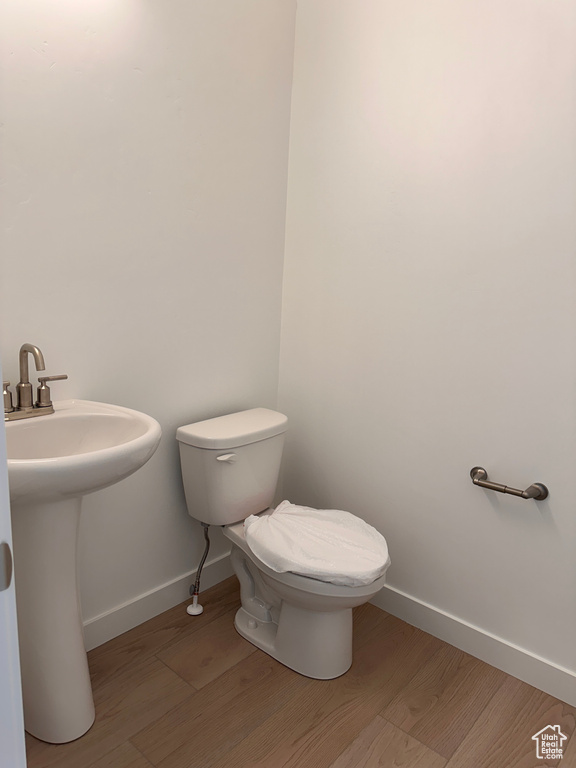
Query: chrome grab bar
{"points": [[536, 491]]}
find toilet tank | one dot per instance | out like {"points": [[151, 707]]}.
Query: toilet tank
{"points": [[230, 464]]}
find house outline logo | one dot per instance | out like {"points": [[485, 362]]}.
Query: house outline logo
{"points": [[549, 741]]}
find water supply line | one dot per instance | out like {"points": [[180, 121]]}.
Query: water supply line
{"points": [[194, 609]]}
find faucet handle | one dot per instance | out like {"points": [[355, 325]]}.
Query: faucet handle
{"points": [[8, 406], [43, 391]]}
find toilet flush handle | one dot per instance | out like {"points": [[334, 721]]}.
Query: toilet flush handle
{"points": [[229, 458]]}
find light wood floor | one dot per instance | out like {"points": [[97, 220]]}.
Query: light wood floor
{"points": [[189, 692]]}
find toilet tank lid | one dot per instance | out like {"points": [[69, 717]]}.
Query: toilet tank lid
{"points": [[234, 430]]}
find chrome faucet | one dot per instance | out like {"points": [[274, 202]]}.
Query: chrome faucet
{"points": [[24, 388], [26, 408]]}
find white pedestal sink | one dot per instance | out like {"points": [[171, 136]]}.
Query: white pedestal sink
{"points": [[53, 461]]}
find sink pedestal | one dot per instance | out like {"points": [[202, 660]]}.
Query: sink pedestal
{"points": [[57, 693]]}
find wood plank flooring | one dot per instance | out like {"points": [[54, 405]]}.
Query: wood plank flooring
{"points": [[189, 692]]}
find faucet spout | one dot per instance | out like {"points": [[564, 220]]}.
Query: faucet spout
{"points": [[24, 388]]}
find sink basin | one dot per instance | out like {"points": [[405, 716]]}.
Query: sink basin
{"points": [[53, 462], [80, 448]]}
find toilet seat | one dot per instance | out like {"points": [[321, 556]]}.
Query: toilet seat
{"points": [[235, 534], [327, 545]]}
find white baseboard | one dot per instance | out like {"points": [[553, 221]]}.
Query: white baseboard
{"points": [[123, 617], [532, 669]]}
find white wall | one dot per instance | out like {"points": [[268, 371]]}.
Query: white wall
{"points": [[144, 154], [429, 301]]}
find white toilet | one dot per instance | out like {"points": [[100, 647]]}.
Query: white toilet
{"points": [[230, 467]]}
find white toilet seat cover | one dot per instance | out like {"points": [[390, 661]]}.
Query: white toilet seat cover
{"points": [[324, 544]]}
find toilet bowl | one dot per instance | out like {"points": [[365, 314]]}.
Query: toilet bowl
{"points": [[230, 467], [304, 623]]}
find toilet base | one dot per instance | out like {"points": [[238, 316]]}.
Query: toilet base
{"points": [[313, 643]]}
